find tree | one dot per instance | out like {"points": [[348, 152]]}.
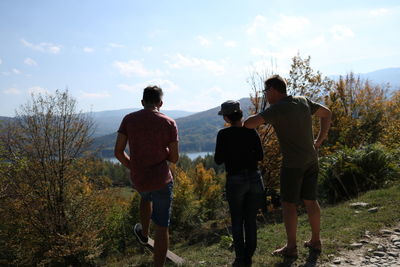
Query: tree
{"points": [[303, 80], [50, 208], [358, 109], [272, 156], [391, 121]]}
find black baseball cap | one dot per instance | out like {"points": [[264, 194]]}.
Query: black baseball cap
{"points": [[229, 107]]}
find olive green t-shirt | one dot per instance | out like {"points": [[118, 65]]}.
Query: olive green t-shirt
{"points": [[291, 119]]}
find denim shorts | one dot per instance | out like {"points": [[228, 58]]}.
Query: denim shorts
{"points": [[299, 183], [162, 202]]}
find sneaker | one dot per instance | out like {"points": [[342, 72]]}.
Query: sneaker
{"points": [[138, 233]]}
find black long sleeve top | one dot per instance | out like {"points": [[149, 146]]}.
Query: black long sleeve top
{"points": [[239, 148]]}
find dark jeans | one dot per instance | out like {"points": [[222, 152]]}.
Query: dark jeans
{"points": [[245, 193]]}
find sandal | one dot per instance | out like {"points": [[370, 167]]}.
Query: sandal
{"points": [[314, 247], [286, 252]]}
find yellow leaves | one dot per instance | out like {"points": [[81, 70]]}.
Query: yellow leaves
{"points": [[197, 193]]}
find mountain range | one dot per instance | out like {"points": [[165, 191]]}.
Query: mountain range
{"points": [[386, 76], [197, 131], [108, 121]]}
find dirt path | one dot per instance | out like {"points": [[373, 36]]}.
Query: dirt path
{"points": [[381, 250]]}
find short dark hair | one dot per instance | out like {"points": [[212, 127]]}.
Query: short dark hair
{"points": [[152, 94], [235, 116], [277, 82]]}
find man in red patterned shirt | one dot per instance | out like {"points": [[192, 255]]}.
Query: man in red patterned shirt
{"points": [[153, 142]]}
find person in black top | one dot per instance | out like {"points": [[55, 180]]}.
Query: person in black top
{"points": [[240, 149]]}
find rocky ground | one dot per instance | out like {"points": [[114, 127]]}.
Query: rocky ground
{"points": [[372, 250]]}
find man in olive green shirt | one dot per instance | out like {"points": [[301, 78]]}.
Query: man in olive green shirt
{"points": [[291, 118]]}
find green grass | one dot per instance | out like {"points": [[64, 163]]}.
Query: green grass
{"points": [[340, 227]]}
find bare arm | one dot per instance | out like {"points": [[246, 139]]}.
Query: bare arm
{"points": [[119, 150], [254, 121], [325, 120], [173, 152]]}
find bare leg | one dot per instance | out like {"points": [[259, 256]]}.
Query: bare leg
{"points": [[145, 210], [314, 218], [161, 243], [290, 220]]}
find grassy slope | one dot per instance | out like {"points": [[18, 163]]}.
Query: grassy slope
{"points": [[340, 227]]}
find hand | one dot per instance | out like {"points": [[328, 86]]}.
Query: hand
{"points": [[317, 144]]}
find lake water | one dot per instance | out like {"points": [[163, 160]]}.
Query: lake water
{"points": [[192, 156]]}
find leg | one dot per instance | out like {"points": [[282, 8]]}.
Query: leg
{"points": [[145, 209], [235, 196], [314, 218], [161, 243], [309, 194], [237, 234], [162, 201], [253, 201], [250, 228], [290, 221], [291, 181]]}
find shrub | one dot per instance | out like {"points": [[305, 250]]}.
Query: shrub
{"points": [[349, 172]]}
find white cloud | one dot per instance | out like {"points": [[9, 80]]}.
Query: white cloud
{"points": [[134, 67], [131, 88], [258, 22], [166, 85], [287, 26], [115, 45], [341, 32], [98, 95], [203, 41], [12, 91], [269, 65], [30, 62], [280, 31], [38, 90], [1, 61], [205, 99], [88, 50], [282, 53], [317, 41], [43, 47], [15, 71], [379, 12], [147, 48], [230, 44], [179, 61]]}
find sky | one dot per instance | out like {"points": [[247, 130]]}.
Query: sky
{"points": [[200, 52]]}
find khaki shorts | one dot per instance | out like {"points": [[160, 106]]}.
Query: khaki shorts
{"points": [[299, 183]]}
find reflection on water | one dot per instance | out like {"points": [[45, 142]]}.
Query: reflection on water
{"points": [[194, 155]]}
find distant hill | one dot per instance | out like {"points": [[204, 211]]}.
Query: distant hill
{"points": [[383, 76], [3, 120], [197, 132], [108, 121]]}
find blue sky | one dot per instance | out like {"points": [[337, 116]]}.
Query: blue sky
{"points": [[200, 52]]}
